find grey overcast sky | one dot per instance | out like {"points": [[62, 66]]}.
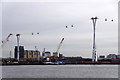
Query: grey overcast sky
{"points": [[50, 18]]}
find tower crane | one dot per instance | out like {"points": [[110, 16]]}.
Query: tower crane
{"points": [[7, 39]]}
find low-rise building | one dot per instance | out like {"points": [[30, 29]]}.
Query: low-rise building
{"points": [[31, 54], [61, 55], [101, 57], [47, 54], [55, 54], [111, 56], [118, 56]]}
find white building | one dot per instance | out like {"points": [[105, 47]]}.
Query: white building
{"points": [[112, 56], [101, 57], [47, 54], [118, 56], [55, 54]]}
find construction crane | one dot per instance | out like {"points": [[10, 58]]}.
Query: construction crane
{"points": [[60, 45], [7, 39], [55, 54]]}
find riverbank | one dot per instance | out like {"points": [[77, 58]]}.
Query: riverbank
{"points": [[63, 64]]}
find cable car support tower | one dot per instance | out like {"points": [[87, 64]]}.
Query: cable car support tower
{"points": [[94, 54], [18, 39]]}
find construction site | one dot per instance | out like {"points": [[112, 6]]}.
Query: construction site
{"points": [[24, 56]]}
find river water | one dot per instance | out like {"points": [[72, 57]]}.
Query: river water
{"points": [[60, 71]]}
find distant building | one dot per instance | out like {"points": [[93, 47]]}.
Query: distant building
{"points": [[25, 53], [55, 54], [118, 56], [47, 54], [111, 56], [21, 52], [43, 54], [101, 57], [61, 55], [31, 54]]}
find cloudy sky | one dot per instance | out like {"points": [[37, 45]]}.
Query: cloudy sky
{"points": [[49, 20]]}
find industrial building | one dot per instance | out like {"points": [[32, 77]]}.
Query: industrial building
{"points": [[61, 56], [55, 54], [46, 54]]}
